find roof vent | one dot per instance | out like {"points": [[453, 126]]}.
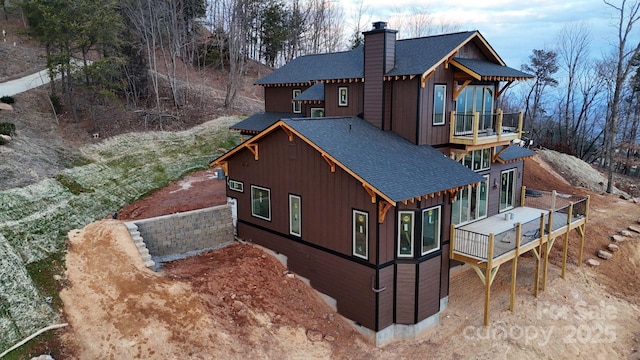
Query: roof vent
{"points": [[379, 25]]}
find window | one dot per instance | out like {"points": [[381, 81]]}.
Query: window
{"points": [[236, 185], [297, 108], [360, 234], [294, 215], [261, 202], [507, 188], [478, 160], [439, 98], [471, 203], [317, 112], [343, 96], [475, 99], [405, 233], [431, 229]]}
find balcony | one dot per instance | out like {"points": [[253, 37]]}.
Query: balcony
{"points": [[545, 216], [483, 129]]}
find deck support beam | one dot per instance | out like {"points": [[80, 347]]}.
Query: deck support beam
{"points": [[565, 248], [514, 268], [538, 254], [489, 280]]}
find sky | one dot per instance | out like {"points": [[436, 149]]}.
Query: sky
{"points": [[512, 27]]}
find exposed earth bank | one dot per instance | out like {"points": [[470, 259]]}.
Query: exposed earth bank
{"points": [[238, 301]]}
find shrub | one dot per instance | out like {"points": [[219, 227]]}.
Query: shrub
{"points": [[7, 128], [2, 141], [7, 99]]}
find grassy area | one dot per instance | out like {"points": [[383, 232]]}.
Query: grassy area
{"points": [[35, 220]]}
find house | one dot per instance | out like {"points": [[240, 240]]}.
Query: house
{"points": [[365, 164]]}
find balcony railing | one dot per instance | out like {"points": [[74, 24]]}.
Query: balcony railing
{"points": [[478, 129], [544, 215]]}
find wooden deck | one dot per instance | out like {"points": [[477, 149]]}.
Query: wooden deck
{"points": [[545, 216]]}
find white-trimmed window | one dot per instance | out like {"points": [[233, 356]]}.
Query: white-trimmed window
{"points": [[343, 96], [471, 203], [431, 223], [236, 185], [439, 104], [361, 234], [507, 189], [297, 107], [405, 233], [261, 202], [294, 215], [317, 112], [478, 160]]}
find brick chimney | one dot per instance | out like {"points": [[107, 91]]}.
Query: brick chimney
{"points": [[379, 58]]}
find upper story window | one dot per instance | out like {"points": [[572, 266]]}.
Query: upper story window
{"points": [[297, 107], [439, 101], [478, 160], [477, 99], [343, 96], [507, 189]]}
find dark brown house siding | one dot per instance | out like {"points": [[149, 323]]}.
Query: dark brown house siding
{"points": [[429, 288], [347, 282], [436, 134], [328, 199], [405, 293], [278, 99], [385, 297], [444, 275], [404, 105], [354, 99], [494, 179], [387, 237]]}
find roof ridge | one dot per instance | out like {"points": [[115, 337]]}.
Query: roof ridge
{"points": [[440, 35]]}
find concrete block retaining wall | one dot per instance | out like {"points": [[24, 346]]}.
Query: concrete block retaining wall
{"points": [[188, 231]]}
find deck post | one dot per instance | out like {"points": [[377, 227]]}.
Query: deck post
{"points": [[584, 228], [499, 124], [553, 200], [487, 280], [565, 250], [452, 128], [514, 268], [452, 241], [476, 122], [538, 255], [520, 119], [547, 247], [523, 195]]}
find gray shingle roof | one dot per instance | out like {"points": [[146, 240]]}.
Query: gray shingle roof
{"points": [[260, 121], [314, 93], [514, 152], [413, 57], [303, 69], [399, 169], [486, 68]]}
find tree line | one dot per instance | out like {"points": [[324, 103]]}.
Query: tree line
{"points": [[586, 106]]}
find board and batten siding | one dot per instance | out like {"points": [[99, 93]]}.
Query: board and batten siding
{"points": [[436, 134], [278, 99], [429, 287], [327, 199], [494, 176], [404, 108], [354, 102], [373, 74]]}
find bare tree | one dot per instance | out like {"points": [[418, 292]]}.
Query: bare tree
{"points": [[627, 14]]}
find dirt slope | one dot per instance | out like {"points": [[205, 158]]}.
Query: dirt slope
{"points": [[238, 302]]}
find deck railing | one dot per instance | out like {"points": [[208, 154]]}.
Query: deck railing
{"points": [[557, 212], [468, 128]]}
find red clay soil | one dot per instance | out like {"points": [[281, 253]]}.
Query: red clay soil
{"points": [[197, 190]]}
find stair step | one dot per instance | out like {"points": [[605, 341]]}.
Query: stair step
{"points": [[137, 238], [150, 264], [131, 226], [143, 251], [134, 233], [146, 258]]}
